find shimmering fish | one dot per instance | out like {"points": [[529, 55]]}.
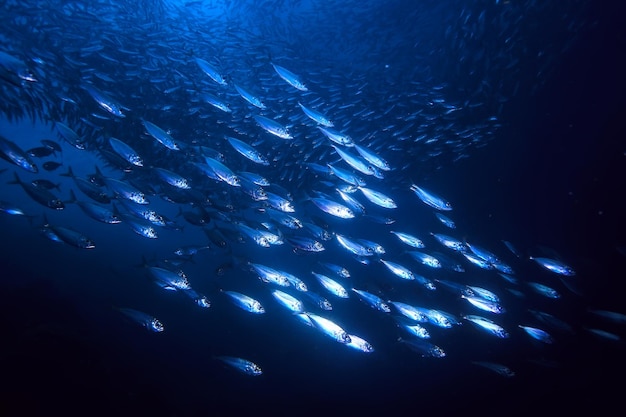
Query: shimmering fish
{"points": [[250, 98], [125, 151], [161, 135], [106, 102], [211, 71], [332, 207], [304, 243], [398, 270], [242, 365], [353, 246], [409, 239], [335, 136], [248, 151], [288, 301], [431, 199], [172, 178], [488, 325], [331, 285], [216, 102], [329, 328], [70, 136], [423, 347], [291, 78], [273, 127], [484, 304], [14, 154], [555, 266], [145, 320], [360, 344], [378, 198], [425, 259], [316, 116], [537, 334], [245, 302], [372, 300], [372, 158]]}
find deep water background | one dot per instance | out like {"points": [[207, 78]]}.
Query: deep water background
{"points": [[553, 176]]}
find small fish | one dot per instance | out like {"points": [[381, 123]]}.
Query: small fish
{"points": [[291, 78], [431, 199], [242, 365], [245, 302], [555, 266]]}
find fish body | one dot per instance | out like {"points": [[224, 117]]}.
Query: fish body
{"points": [[145, 320], [245, 302], [291, 78], [316, 116], [431, 199], [14, 154], [250, 98], [211, 71], [161, 135], [273, 127], [242, 365], [125, 151]]}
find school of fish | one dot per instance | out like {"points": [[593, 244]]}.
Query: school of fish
{"points": [[261, 146]]}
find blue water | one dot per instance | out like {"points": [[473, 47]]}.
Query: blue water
{"points": [[520, 106]]}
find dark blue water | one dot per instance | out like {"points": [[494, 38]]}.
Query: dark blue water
{"points": [[538, 86]]}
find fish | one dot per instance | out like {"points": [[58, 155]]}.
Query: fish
{"points": [[288, 301], [487, 325], [242, 365], [332, 207], [498, 368], [70, 136], [247, 151], [291, 78], [329, 328], [359, 344], [211, 71], [273, 127], [331, 285], [104, 101], [145, 320], [161, 135], [125, 151], [431, 199], [68, 235], [555, 266], [251, 98], [305, 244], [378, 198], [537, 334], [373, 300], [14, 154], [409, 240], [245, 302], [398, 270], [316, 116], [41, 196]]}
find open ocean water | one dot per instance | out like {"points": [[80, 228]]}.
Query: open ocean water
{"points": [[511, 111]]}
